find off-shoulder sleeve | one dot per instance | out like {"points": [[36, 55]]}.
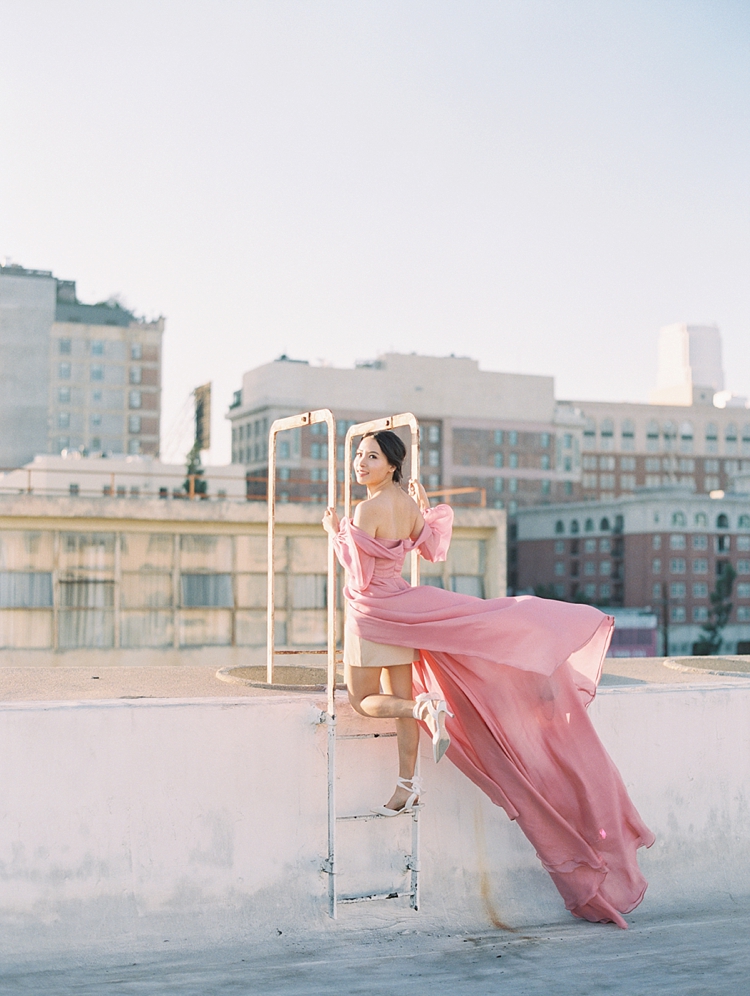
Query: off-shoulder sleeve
{"points": [[435, 538], [358, 564]]}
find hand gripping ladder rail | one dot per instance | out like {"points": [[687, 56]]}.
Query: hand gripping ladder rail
{"points": [[294, 422]]}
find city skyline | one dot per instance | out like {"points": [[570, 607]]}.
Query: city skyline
{"points": [[536, 186]]}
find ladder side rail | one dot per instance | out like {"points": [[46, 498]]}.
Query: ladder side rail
{"points": [[375, 425], [282, 425], [331, 673], [327, 417]]}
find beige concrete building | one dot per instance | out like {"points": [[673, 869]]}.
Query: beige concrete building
{"points": [[74, 376], [495, 432], [627, 446], [79, 572], [690, 369]]}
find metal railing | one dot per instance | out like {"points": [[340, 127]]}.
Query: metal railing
{"points": [[172, 486], [101, 482], [321, 415]]}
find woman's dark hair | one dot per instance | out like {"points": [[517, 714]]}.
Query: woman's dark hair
{"points": [[393, 449]]}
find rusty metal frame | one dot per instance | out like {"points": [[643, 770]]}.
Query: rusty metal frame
{"points": [[321, 415], [329, 717]]}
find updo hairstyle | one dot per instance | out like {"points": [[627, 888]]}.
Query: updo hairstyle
{"points": [[393, 450]]}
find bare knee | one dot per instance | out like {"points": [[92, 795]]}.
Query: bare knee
{"points": [[355, 701], [360, 684]]}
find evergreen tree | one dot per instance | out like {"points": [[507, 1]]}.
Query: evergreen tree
{"points": [[718, 614]]}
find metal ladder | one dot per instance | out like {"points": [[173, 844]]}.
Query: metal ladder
{"points": [[324, 415]]}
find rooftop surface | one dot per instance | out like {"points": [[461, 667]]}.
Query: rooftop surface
{"points": [[100, 680], [695, 955]]}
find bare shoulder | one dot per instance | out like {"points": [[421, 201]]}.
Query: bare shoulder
{"points": [[366, 515]]}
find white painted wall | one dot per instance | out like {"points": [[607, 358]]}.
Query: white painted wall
{"points": [[126, 823]]}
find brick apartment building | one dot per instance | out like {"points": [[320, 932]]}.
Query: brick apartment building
{"points": [[663, 549]]}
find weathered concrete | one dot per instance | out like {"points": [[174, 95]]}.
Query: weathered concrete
{"points": [[680, 956], [127, 821]]}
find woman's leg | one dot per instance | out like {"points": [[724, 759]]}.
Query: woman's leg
{"points": [[394, 702], [398, 681], [363, 684]]}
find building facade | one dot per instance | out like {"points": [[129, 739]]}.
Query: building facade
{"points": [[73, 375], [663, 549], [79, 572], [500, 434], [690, 368], [626, 447]]}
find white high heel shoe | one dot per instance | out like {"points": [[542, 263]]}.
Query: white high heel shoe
{"points": [[433, 711], [414, 787]]}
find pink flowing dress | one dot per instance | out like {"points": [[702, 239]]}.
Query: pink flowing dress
{"points": [[518, 674]]}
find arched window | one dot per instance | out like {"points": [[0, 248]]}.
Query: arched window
{"points": [[686, 437], [574, 526], [701, 520], [652, 436], [730, 438], [619, 523], [604, 525], [712, 438], [744, 522], [722, 521], [606, 433], [628, 434], [589, 525], [670, 434], [559, 526], [679, 519], [746, 440]]}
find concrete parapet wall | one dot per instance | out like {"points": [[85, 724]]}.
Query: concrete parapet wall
{"points": [[131, 822]]}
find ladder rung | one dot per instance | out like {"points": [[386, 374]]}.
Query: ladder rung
{"points": [[376, 895], [378, 816], [365, 736]]}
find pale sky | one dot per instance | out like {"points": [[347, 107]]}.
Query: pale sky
{"points": [[538, 184]]}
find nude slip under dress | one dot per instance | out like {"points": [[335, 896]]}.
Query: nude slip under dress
{"points": [[359, 652]]}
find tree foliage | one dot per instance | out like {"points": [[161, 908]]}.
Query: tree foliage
{"points": [[718, 614]]}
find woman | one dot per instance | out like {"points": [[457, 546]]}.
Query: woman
{"points": [[504, 681]]}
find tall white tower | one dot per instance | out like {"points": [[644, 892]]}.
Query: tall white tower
{"points": [[690, 369]]}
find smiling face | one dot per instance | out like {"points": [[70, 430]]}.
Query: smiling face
{"points": [[370, 465]]}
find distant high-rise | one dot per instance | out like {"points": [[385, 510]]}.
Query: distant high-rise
{"points": [[690, 368], [73, 375]]}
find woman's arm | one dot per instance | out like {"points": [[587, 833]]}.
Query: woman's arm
{"points": [[419, 495]]}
